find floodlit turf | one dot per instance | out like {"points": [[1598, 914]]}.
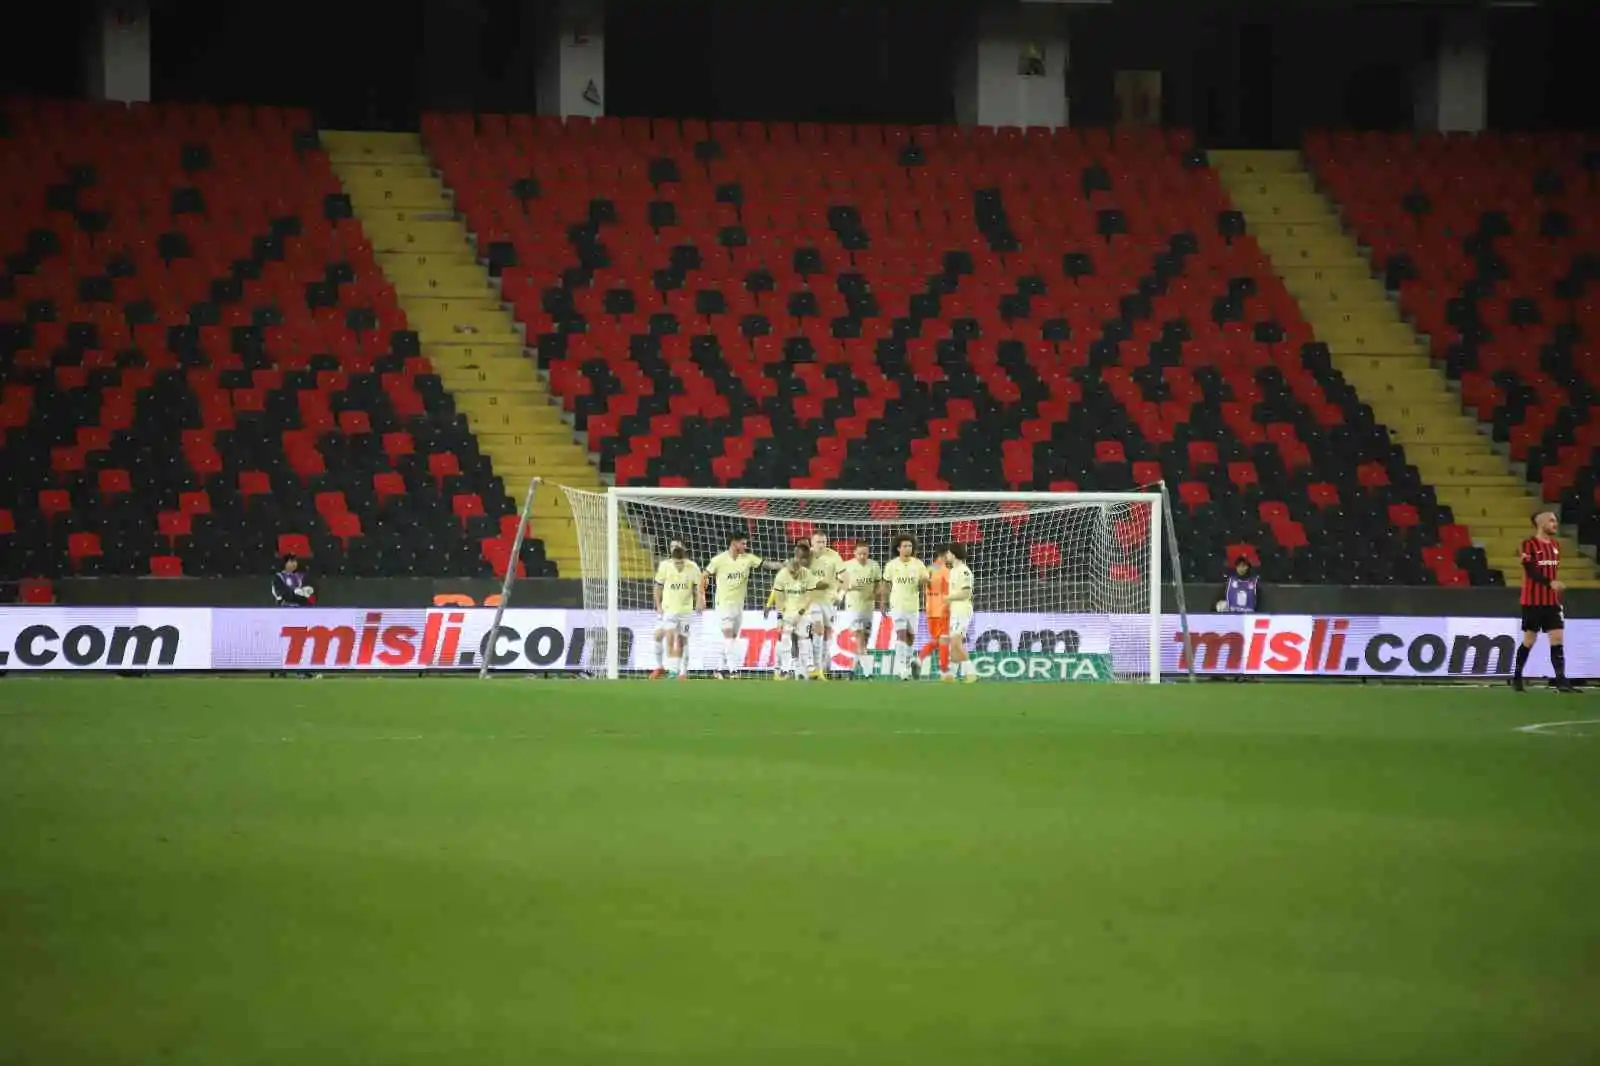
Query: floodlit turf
{"points": [[414, 871]]}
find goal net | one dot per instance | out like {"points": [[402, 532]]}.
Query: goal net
{"points": [[1065, 586]]}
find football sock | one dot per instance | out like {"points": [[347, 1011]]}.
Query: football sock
{"points": [[729, 647], [683, 660], [660, 661], [944, 659], [1558, 659], [819, 654], [1522, 658]]}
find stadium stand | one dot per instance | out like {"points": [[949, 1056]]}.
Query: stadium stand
{"points": [[218, 343], [758, 304], [1489, 244], [201, 364]]}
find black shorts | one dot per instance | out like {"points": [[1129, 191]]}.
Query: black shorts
{"points": [[1543, 619]]}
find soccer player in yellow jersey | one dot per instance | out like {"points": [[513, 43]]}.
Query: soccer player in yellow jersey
{"points": [[904, 578], [731, 571], [660, 634], [858, 584], [679, 593], [792, 587], [959, 599], [825, 564]]}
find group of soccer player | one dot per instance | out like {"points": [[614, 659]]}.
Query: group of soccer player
{"points": [[814, 592]]}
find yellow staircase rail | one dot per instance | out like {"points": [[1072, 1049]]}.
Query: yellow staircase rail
{"points": [[475, 345], [1322, 266]]}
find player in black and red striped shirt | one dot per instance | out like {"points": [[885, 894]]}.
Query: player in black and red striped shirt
{"points": [[1541, 599]]}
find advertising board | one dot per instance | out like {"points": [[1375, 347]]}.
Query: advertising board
{"points": [[109, 638], [536, 639]]}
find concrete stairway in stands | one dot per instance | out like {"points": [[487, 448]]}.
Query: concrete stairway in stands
{"points": [[473, 342], [1383, 357]]}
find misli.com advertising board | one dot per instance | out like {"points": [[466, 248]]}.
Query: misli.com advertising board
{"points": [[224, 639]]}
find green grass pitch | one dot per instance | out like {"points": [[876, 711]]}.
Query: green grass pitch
{"points": [[405, 871]]}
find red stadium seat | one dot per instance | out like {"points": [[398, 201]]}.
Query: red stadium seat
{"points": [[1109, 451], [36, 591], [343, 526], [966, 532], [397, 445], [53, 502], [467, 506], [1244, 551], [254, 483], [497, 552], [387, 486], [294, 544], [1044, 556], [1243, 474], [172, 525], [442, 465], [81, 546], [114, 483], [166, 566], [1194, 494]]}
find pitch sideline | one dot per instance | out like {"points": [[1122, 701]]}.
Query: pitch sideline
{"points": [[1543, 729]]}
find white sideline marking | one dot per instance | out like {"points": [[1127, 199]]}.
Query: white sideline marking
{"points": [[593, 734], [1542, 729]]}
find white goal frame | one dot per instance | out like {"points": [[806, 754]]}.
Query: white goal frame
{"points": [[617, 495]]}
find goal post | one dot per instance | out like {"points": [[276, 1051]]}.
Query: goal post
{"points": [[525, 515], [1064, 583]]}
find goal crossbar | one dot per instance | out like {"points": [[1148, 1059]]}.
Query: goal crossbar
{"points": [[638, 492]]}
